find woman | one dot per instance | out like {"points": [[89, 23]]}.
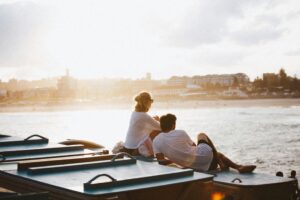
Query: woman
{"points": [[142, 127]]}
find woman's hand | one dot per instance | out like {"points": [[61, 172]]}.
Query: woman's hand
{"points": [[156, 118]]}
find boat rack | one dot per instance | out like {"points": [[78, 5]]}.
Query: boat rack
{"points": [[49, 148], [9, 141], [79, 166], [24, 165], [15, 149], [123, 182]]}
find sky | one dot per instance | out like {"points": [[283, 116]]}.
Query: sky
{"points": [[127, 39]]}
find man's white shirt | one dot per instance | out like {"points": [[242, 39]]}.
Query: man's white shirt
{"points": [[178, 147]]}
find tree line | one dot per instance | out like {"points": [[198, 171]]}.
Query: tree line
{"points": [[280, 81]]}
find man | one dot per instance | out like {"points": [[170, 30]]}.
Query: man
{"points": [[178, 147]]}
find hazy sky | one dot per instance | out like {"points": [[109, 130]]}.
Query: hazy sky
{"points": [[127, 38]]}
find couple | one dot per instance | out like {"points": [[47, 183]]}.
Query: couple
{"points": [[149, 136]]}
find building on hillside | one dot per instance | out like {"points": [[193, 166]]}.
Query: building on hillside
{"points": [[178, 81], [271, 79], [66, 86], [44, 93], [27, 94], [242, 78], [234, 92], [3, 93], [12, 85], [148, 76], [169, 91], [144, 84], [223, 80]]}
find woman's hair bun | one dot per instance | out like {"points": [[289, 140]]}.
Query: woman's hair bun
{"points": [[137, 98], [142, 96]]}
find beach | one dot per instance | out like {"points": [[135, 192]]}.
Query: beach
{"points": [[244, 103]]}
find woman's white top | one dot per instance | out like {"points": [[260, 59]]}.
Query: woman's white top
{"points": [[140, 126]]}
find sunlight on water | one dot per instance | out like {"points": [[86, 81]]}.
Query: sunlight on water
{"points": [[267, 137]]}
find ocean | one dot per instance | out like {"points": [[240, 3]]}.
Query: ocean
{"points": [[267, 136]]}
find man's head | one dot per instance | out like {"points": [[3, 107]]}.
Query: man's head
{"points": [[167, 122]]}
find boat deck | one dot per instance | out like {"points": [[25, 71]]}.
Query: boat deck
{"points": [[74, 180], [39, 151]]}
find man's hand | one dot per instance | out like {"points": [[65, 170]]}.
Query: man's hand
{"points": [[164, 162], [161, 159]]}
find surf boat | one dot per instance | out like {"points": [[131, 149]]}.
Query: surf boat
{"points": [[6, 140], [72, 172], [78, 173], [116, 178], [14, 150], [254, 186], [38, 147]]}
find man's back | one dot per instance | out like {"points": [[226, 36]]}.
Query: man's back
{"points": [[179, 148]]}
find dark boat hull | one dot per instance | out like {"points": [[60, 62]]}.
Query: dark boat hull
{"points": [[256, 186]]}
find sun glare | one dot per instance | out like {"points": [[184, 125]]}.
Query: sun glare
{"points": [[217, 196], [105, 39], [96, 39]]}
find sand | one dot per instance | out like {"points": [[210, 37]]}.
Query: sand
{"points": [[193, 104]]}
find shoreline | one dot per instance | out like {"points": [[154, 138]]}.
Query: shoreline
{"points": [[179, 104]]}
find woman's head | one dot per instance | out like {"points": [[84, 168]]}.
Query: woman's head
{"points": [[143, 102]]}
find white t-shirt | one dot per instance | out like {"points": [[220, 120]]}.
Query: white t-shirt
{"points": [[140, 126], [177, 146]]}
